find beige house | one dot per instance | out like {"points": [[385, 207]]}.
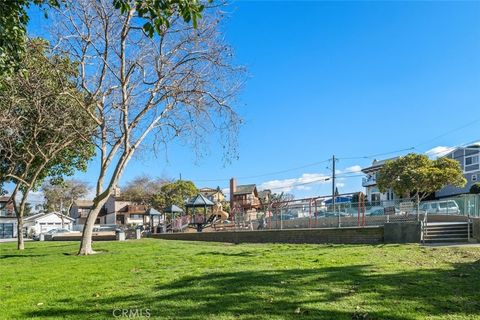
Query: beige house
{"points": [[79, 211], [214, 195], [120, 211]]}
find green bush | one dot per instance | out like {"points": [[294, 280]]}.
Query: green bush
{"points": [[475, 189]]}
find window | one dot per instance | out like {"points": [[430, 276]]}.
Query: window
{"points": [[471, 160], [474, 177], [136, 216]]}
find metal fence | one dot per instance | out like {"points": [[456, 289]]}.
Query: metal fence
{"points": [[315, 213]]}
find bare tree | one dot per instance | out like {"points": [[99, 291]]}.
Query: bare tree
{"points": [[143, 189], [180, 83], [60, 195]]}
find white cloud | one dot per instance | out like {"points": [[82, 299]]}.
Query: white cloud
{"points": [[353, 169], [438, 151], [304, 182]]}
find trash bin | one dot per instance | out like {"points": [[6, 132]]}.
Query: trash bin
{"points": [[41, 237], [138, 233], [120, 234]]}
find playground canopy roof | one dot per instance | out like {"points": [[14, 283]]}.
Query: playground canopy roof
{"points": [[199, 201], [153, 212], [173, 209]]}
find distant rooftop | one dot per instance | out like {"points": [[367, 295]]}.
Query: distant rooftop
{"points": [[84, 203], [377, 165], [245, 189]]}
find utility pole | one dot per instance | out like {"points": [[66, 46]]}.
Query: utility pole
{"points": [[333, 183], [333, 188]]}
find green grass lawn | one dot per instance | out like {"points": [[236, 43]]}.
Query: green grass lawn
{"points": [[187, 280]]}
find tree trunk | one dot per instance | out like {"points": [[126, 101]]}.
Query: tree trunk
{"points": [[20, 212], [20, 240], [86, 244], [61, 213]]}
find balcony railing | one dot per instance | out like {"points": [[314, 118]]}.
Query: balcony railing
{"points": [[136, 209], [248, 202], [370, 181]]}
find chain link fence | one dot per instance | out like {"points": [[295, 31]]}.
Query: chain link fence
{"points": [[319, 213]]}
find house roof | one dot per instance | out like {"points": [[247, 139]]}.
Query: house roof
{"points": [[263, 194], [377, 165], [153, 212], [210, 191], [339, 199], [4, 199], [173, 209], [245, 189], [199, 201], [83, 203], [44, 214]]}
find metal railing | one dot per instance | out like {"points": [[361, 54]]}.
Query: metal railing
{"points": [[312, 213]]}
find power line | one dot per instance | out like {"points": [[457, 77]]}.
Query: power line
{"points": [[353, 158], [268, 174], [448, 132], [377, 154]]}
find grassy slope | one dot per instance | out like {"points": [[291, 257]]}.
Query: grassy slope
{"points": [[220, 281]]}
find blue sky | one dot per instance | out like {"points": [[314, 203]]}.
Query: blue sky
{"points": [[352, 79]]}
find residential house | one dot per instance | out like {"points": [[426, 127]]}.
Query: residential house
{"points": [[8, 220], [244, 197], [79, 211], [214, 195], [265, 196], [372, 192], [6, 207], [120, 211], [469, 159], [43, 222]]}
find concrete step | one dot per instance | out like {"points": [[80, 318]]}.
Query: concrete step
{"points": [[440, 240], [446, 231], [444, 236], [445, 223]]}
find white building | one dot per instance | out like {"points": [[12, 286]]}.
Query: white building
{"points": [[469, 159], [372, 193], [43, 222]]}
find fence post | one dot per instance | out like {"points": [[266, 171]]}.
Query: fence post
{"points": [[281, 219], [468, 230]]}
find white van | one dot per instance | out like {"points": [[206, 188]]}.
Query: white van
{"points": [[440, 207]]}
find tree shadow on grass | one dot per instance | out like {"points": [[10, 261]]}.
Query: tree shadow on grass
{"points": [[345, 292], [227, 254], [9, 256]]}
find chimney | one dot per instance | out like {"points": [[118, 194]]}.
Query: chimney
{"points": [[233, 188], [116, 192]]}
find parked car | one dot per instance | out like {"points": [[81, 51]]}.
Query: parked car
{"points": [[440, 207], [286, 216], [52, 233], [379, 211], [106, 228]]}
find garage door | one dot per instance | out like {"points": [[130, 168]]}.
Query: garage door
{"points": [[6, 230]]}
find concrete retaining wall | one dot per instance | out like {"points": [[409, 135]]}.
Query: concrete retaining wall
{"points": [[367, 235], [107, 237], [407, 232], [476, 228]]}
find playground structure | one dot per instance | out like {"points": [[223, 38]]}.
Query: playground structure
{"points": [[211, 215], [351, 210]]}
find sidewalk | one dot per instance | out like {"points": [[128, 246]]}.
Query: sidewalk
{"points": [[13, 240], [453, 244]]}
